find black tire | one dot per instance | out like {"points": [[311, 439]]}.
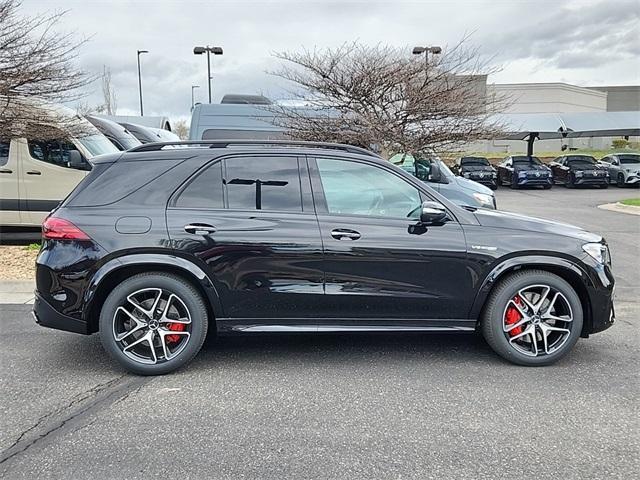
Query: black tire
{"points": [[493, 316], [169, 283], [547, 187], [569, 183], [494, 186], [620, 180], [514, 182]]}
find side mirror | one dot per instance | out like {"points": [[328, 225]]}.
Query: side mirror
{"points": [[434, 175], [432, 212], [75, 160]]}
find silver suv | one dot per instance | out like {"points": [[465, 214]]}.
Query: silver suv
{"points": [[624, 168]]}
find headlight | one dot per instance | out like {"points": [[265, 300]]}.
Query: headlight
{"points": [[494, 175], [578, 173], [483, 199], [466, 175], [598, 251], [522, 174]]}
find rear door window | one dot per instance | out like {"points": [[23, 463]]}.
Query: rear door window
{"points": [[263, 183]]}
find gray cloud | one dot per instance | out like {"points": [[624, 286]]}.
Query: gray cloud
{"points": [[569, 40]]}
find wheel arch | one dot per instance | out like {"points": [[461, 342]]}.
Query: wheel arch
{"points": [[565, 269], [112, 273]]}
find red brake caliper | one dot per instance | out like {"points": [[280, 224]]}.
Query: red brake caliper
{"points": [[175, 327], [513, 316]]}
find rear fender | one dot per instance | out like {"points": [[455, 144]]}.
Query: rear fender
{"points": [[147, 262]]}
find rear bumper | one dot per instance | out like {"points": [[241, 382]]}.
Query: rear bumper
{"points": [[47, 316]]}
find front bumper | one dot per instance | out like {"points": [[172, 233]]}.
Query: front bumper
{"points": [[591, 181], [535, 181], [47, 316], [632, 180]]}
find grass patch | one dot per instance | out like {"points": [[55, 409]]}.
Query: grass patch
{"points": [[33, 246], [634, 202]]}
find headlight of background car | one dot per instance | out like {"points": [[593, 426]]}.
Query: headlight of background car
{"points": [[522, 174], [598, 251], [466, 174], [483, 199], [577, 173]]}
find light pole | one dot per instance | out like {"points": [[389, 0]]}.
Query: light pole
{"points": [[434, 50], [209, 50], [193, 87], [140, 81]]}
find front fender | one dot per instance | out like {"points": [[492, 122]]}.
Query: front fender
{"points": [[149, 260], [527, 261]]}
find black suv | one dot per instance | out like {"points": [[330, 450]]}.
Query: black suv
{"points": [[164, 242]]}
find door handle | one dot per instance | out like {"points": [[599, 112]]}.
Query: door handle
{"points": [[5, 170], [199, 229], [340, 233], [34, 172]]}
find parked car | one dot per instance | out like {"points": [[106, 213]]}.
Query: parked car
{"points": [[477, 169], [35, 175], [121, 138], [623, 168], [577, 170], [143, 134], [304, 237], [435, 172], [524, 171]]}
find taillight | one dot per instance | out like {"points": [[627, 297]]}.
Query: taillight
{"points": [[55, 228]]}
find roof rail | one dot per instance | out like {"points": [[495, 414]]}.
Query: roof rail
{"points": [[155, 146]]}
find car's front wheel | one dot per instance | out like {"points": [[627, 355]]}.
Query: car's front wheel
{"points": [[620, 180], [153, 323], [532, 318]]}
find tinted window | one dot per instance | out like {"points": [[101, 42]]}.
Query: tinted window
{"points": [[55, 152], [625, 159], [474, 161], [523, 159], [581, 160], [4, 153], [263, 183], [352, 188], [205, 191]]}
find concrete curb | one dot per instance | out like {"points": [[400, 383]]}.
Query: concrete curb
{"points": [[619, 207], [17, 291]]}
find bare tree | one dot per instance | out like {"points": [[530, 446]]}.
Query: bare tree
{"points": [[37, 68], [381, 96], [181, 129], [110, 105]]}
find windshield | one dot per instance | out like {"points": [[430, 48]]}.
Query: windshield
{"points": [[627, 159], [581, 160], [97, 144], [526, 160], [474, 162]]}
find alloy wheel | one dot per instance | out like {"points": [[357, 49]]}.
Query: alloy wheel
{"points": [[152, 326], [537, 320]]}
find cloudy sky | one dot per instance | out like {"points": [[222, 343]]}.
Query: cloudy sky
{"points": [[575, 41]]}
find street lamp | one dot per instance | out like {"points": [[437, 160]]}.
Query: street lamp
{"points": [[435, 50], [209, 50], [193, 87], [140, 80]]}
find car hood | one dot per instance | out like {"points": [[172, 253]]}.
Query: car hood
{"points": [[477, 168], [473, 186], [500, 219]]}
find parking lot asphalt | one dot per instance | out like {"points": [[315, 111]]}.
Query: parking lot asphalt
{"points": [[337, 406]]}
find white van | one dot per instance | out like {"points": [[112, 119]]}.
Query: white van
{"points": [[35, 175]]}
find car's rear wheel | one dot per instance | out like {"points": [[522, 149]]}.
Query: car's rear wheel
{"points": [[532, 318], [153, 323], [620, 180]]}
